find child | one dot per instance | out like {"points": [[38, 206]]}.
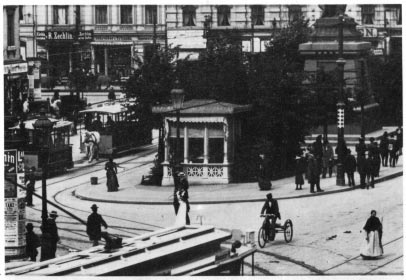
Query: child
{"points": [[299, 170]]}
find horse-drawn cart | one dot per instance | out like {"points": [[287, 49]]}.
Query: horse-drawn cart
{"points": [[113, 128]]}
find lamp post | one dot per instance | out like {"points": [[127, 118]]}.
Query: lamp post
{"points": [[177, 95], [340, 105], [207, 26], [43, 127]]}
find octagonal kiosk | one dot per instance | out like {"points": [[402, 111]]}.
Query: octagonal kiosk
{"points": [[209, 130]]}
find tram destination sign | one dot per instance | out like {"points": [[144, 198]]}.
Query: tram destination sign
{"points": [[64, 35]]}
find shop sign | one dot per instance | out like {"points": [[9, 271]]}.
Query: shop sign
{"points": [[368, 32], [16, 68], [377, 51], [116, 38], [64, 35]]}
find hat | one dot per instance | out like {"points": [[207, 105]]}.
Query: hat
{"points": [[181, 174], [53, 214], [94, 206], [29, 226], [269, 196], [297, 157]]}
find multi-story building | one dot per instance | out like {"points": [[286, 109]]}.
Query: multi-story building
{"points": [[188, 26], [15, 68], [109, 36]]}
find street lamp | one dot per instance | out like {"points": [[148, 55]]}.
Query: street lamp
{"points": [[340, 105], [207, 26], [177, 95], [43, 127]]}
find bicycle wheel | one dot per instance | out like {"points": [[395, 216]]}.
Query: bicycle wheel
{"points": [[288, 230], [261, 237]]}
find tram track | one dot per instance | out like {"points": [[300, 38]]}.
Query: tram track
{"points": [[317, 271]]}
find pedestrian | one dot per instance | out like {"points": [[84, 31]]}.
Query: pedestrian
{"points": [[111, 174], [399, 133], [55, 103], [372, 247], [384, 150], [327, 159], [26, 107], [370, 170], [97, 125], [376, 156], [361, 148], [350, 165], [49, 237], [30, 184], [313, 172], [264, 172], [270, 207], [317, 148], [393, 150], [300, 168], [182, 215], [93, 225], [32, 243], [111, 95]]}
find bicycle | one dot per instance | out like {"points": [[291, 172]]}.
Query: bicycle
{"points": [[286, 228]]}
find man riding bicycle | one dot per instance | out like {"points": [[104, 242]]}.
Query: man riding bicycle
{"points": [[270, 207]]}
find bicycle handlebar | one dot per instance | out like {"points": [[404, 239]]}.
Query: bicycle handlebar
{"points": [[267, 215]]}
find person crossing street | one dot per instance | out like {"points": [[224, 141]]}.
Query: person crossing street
{"points": [[93, 225]]}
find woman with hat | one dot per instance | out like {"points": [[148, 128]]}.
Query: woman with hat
{"points": [[93, 225]]}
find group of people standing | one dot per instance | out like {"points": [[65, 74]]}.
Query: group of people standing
{"points": [[318, 160]]}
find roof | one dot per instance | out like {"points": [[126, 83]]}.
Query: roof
{"points": [[109, 108], [57, 124], [203, 107]]}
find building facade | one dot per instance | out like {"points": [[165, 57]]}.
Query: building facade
{"points": [[189, 26], [109, 36]]}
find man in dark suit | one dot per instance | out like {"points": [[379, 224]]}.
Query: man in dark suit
{"points": [[93, 225], [270, 207]]}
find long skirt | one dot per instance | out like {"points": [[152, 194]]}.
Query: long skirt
{"points": [[181, 216], [371, 248], [112, 182]]}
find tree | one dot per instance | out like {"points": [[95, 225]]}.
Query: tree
{"points": [[386, 80]]}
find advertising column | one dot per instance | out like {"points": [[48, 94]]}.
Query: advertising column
{"points": [[14, 204], [34, 79]]}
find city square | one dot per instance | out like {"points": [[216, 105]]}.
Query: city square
{"points": [[175, 124]]}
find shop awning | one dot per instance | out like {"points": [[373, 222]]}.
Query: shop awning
{"points": [[109, 43]]}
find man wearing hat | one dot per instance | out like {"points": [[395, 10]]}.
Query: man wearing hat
{"points": [[49, 237], [93, 225], [270, 207], [361, 149], [32, 243]]}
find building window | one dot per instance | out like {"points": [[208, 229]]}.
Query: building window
{"points": [[60, 14], [10, 27], [223, 16], [189, 16], [368, 14], [126, 14], [295, 13], [101, 14], [150, 14], [258, 15]]}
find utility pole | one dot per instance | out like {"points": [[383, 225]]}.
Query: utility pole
{"points": [[340, 105], [76, 55]]}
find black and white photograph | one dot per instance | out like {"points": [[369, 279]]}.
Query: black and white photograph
{"points": [[180, 138]]}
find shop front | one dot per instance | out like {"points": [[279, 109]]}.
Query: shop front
{"points": [[208, 133]]}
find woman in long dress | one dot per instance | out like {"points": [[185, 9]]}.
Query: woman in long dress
{"points": [[372, 247], [182, 217], [111, 174]]}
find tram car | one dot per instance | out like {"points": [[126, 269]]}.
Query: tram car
{"points": [[119, 125], [57, 156]]}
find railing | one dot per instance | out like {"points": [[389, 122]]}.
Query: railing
{"points": [[200, 172]]}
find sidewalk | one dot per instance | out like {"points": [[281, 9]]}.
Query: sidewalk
{"points": [[214, 194]]}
